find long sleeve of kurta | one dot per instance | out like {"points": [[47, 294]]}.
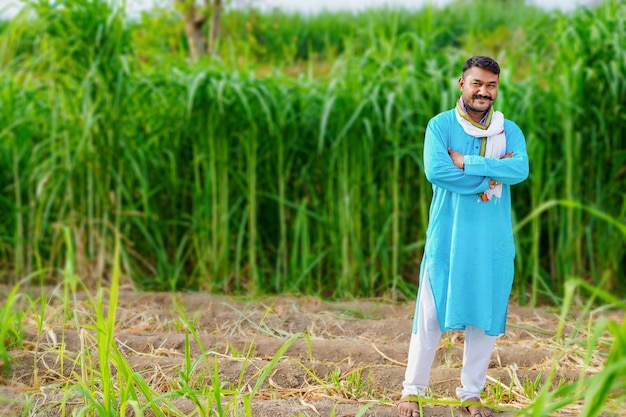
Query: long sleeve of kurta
{"points": [[469, 244], [441, 171]]}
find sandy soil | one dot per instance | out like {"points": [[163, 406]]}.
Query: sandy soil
{"points": [[355, 353]]}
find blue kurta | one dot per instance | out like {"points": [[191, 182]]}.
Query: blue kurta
{"points": [[469, 243]]}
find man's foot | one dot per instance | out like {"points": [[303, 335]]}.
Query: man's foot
{"points": [[408, 406], [475, 409]]}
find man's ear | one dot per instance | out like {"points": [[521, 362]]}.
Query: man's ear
{"points": [[461, 82]]}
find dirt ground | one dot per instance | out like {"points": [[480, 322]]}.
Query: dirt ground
{"points": [[354, 353]]}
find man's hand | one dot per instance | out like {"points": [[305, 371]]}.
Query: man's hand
{"points": [[459, 161], [457, 158], [494, 183]]}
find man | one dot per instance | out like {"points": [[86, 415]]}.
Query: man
{"points": [[472, 156]]}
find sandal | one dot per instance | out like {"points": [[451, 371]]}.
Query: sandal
{"points": [[474, 408], [412, 409]]}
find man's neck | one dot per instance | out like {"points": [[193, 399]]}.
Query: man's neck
{"points": [[476, 116]]}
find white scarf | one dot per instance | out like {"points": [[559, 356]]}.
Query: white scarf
{"points": [[496, 139]]}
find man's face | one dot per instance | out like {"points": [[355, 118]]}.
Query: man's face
{"points": [[479, 89]]}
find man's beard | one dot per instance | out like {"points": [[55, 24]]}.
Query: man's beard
{"points": [[474, 109]]}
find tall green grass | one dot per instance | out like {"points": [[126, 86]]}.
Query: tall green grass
{"points": [[11, 316], [235, 175]]}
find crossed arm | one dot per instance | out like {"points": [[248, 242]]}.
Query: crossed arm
{"points": [[461, 173], [459, 161]]}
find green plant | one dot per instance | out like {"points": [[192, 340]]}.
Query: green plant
{"points": [[532, 386], [600, 392], [353, 385], [305, 178], [10, 326], [499, 392]]}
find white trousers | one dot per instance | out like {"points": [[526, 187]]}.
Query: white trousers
{"points": [[423, 346]]}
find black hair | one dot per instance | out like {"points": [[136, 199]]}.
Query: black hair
{"points": [[483, 62]]}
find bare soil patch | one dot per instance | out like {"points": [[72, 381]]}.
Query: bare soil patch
{"points": [[354, 353]]}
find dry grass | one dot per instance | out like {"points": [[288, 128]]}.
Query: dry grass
{"points": [[177, 343]]}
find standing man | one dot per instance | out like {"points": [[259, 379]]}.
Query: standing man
{"points": [[472, 156]]}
